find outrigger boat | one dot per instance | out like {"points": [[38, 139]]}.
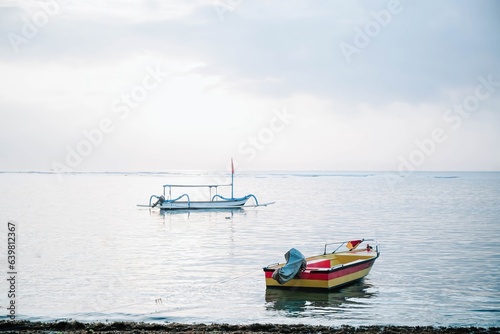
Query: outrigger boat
{"points": [[184, 202], [166, 202], [348, 263]]}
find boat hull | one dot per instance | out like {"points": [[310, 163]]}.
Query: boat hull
{"points": [[203, 205], [322, 280]]}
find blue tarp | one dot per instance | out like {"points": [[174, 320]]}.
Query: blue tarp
{"points": [[295, 262]]}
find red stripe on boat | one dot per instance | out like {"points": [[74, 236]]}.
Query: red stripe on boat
{"points": [[343, 271]]}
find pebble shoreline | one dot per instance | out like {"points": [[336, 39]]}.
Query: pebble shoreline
{"points": [[140, 327]]}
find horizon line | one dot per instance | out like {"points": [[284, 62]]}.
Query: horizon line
{"points": [[244, 171]]}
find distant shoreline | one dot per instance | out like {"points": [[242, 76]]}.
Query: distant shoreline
{"points": [[141, 327]]}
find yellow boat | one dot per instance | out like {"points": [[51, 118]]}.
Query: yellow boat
{"points": [[349, 262]]}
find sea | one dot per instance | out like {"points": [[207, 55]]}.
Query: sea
{"points": [[82, 249]]}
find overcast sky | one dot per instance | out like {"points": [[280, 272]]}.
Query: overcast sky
{"points": [[156, 85]]}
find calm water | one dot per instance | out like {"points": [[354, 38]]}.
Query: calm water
{"points": [[87, 252]]}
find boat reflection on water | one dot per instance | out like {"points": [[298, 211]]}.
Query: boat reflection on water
{"points": [[206, 212], [304, 303], [200, 213]]}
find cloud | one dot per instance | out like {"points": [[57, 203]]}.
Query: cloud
{"points": [[297, 45], [227, 74]]}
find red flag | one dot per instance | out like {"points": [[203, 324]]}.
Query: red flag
{"points": [[232, 166], [353, 244]]}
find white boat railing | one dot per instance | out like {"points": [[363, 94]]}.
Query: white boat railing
{"points": [[344, 243], [164, 199], [209, 186]]}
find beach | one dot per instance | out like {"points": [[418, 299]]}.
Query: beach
{"points": [[134, 327]]}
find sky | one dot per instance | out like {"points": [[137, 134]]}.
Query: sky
{"points": [[108, 85]]}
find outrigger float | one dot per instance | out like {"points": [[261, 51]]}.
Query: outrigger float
{"points": [[349, 262], [184, 202]]}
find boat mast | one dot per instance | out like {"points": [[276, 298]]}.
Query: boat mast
{"points": [[232, 179]]}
